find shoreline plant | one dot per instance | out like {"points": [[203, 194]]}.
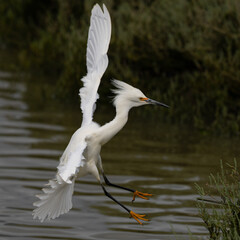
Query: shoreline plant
{"points": [[219, 206]]}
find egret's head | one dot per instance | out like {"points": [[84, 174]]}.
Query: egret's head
{"points": [[131, 96]]}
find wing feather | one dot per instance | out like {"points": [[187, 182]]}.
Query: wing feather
{"points": [[55, 200], [73, 157], [68, 170], [97, 61]]}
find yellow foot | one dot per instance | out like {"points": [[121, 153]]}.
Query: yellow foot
{"points": [[138, 216], [141, 195]]}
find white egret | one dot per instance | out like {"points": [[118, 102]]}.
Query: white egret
{"points": [[82, 155]]}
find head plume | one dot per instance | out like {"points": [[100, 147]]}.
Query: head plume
{"points": [[125, 92], [121, 87]]}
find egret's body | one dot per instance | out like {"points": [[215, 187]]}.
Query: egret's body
{"points": [[82, 155]]}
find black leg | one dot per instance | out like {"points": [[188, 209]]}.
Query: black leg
{"points": [[136, 216], [135, 192], [111, 197], [115, 185]]}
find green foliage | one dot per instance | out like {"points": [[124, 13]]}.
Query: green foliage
{"points": [[185, 53], [222, 219]]}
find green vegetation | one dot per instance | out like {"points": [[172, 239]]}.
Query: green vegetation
{"points": [[222, 217], [185, 53]]}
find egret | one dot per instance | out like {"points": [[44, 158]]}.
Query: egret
{"points": [[82, 155]]}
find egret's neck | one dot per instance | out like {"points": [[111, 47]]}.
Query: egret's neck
{"points": [[110, 129]]}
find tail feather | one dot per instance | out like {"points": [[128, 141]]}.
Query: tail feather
{"points": [[55, 200]]}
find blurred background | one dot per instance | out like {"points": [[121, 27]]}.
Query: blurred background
{"points": [[183, 53]]}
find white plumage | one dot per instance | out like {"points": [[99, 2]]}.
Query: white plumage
{"points": [[56, 200], [82, 155], [97, 60]]}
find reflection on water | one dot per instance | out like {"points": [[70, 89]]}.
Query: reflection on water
{"points": [[162, 160]]}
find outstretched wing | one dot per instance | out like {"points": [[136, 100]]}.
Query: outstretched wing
{"points": [[97, 60]]}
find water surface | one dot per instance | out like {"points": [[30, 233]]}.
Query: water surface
{"points": [[164, 160]]}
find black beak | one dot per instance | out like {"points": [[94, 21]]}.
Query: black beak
{"points": [[156, 103]]}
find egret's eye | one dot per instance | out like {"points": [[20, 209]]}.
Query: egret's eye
{"points": [[143, 98]]}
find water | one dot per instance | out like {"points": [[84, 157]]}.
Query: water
{"points": [[150, 157]]}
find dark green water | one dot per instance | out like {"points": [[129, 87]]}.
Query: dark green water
{"points": [[146, 155]]}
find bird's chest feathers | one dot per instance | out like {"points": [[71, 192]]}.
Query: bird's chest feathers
{"points": [[93, 147]]}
